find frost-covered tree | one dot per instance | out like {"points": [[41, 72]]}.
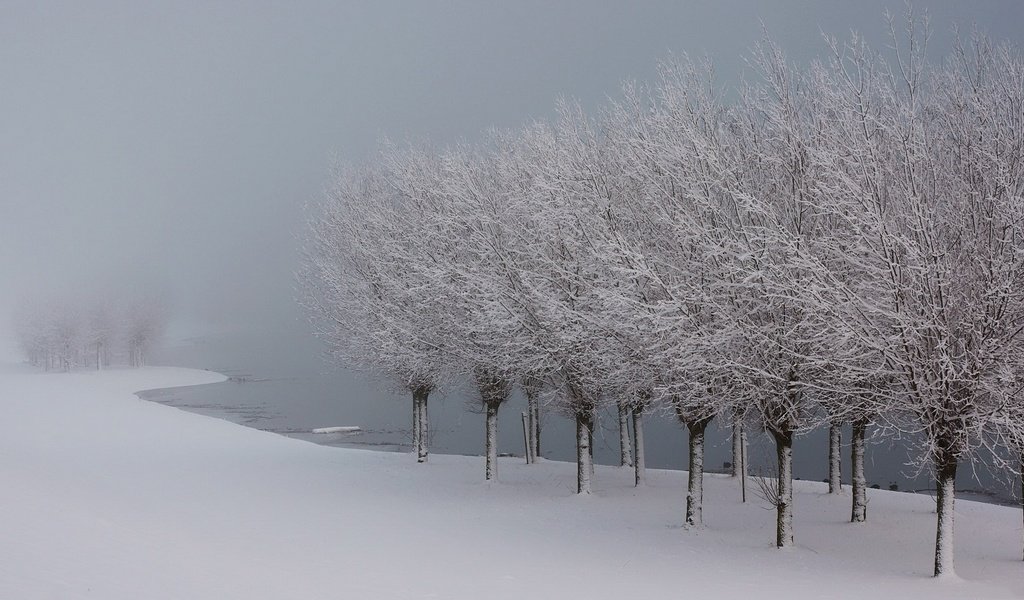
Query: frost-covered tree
{"points": [[569, 274], [367, 299], [143, 321], [62, 331], [841, 244], [31, 328], [931, 175], [59, 332], [101, 333], [660, 228], [486, 338], [776, 289]]}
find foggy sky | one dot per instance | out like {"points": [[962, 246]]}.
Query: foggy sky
{"points": [[177, 142]]}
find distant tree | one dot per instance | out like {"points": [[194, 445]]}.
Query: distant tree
{"points": [[30, 327], [65, 331], [101, 333], [143, 322]]}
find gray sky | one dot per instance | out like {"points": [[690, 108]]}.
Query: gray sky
{"points": [[177, 142]]}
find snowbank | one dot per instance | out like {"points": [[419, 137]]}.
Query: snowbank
{"points": [[107, 496]]}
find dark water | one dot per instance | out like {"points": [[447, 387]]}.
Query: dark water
{"points": [[280, 382]]}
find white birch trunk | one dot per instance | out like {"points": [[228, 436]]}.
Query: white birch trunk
{"points": [[584, 462], [859, 512], [945, 480], [784, 526], [639, 465], [491, 470], [625, 456], [695, 485], [835, 440]]}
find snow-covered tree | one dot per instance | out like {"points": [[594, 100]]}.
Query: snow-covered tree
{"points": [[776, 289], [931, 175], [659, 225], [101, 330], [62, 331], [568, 273], [841, 244], [143, 321], [367, 299], [479, 278]]}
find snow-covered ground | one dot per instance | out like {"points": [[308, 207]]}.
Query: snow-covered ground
{"points": [[108, 496]]}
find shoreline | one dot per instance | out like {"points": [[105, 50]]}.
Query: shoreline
{"points": [[388, 446]]}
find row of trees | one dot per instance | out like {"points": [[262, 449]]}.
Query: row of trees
{"points": [[840, 243], [61, 332]]}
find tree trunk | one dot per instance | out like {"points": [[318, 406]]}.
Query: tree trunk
{"points": [[491, 470], [424, 429], [533, 423], [584, 462], [639, 465], [1022, 482], [421, 446], [625, 457], [536, 428], [835, 477], [743, 463], [737, 448], [860, 484], [530, 458], [494, 390], [784, 507], [695, 486], [945, 483], [591, 425], [416, 423]]}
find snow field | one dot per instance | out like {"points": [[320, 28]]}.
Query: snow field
{"points": [[107, 496]]}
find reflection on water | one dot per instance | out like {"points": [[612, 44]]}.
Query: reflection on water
{"points": [[281, 383]]}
